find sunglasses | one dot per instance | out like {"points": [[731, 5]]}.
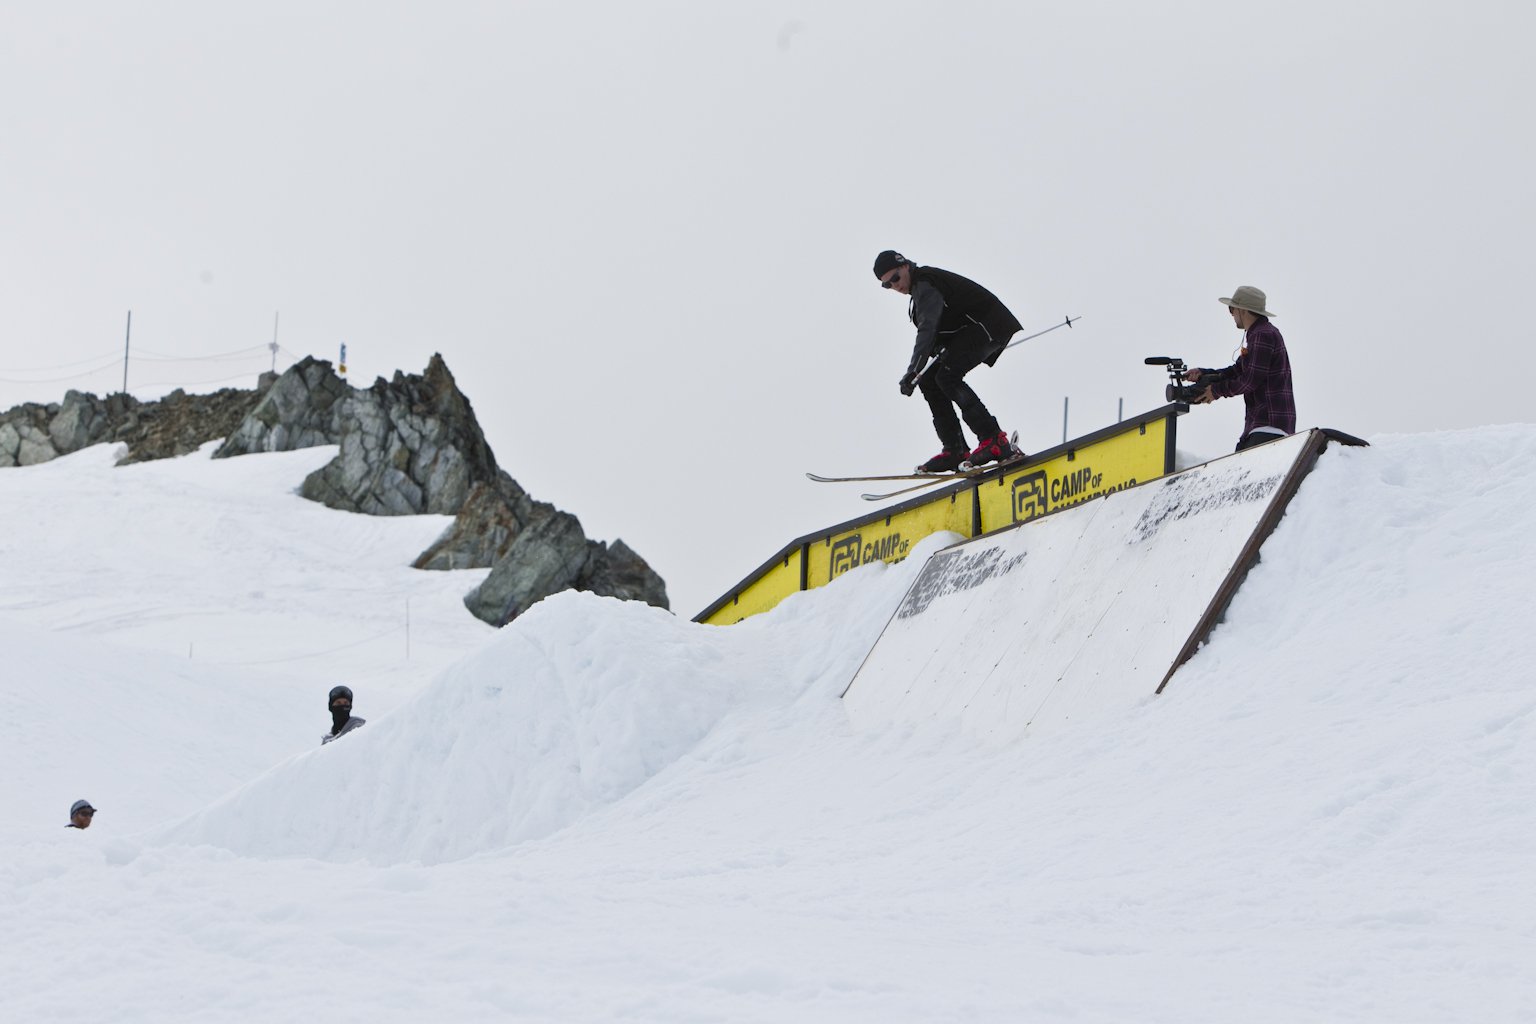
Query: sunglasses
{"points": [[891, 282]]}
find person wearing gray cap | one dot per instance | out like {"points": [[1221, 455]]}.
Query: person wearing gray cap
{"points": [[80, 814], [1261, 372]]}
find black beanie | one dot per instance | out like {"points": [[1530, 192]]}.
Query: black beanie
{"points": [[888, 261], [338, 691]]}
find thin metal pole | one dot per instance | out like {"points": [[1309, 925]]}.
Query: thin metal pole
{"points": [[1064, 401], [1068, 322], [1120, 415], [127, 338], [274, 342]]}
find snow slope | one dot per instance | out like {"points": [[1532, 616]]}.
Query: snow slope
{"points": [[574, 706], [197, 605], [602, 813], [1085, 612]]}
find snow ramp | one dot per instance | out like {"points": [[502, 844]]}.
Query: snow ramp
{"points": [[568, 710], [1082, 612]]}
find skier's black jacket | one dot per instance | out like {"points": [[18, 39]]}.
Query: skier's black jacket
{"points": [[944, 305]]}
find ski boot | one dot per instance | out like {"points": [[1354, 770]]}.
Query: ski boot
{"points": [[999, 448], [947, 461]]}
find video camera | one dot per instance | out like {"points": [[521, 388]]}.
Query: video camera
{"points": [[1178, 389]]}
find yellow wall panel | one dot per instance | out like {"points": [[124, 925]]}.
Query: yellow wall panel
{"points": [[1129, 458], [1105, 461], [761, 594], [887, 539]]}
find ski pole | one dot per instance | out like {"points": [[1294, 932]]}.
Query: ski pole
{"points": [[1068, 322]]}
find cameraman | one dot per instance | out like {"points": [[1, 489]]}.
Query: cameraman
{"points": [[1261, 374]]}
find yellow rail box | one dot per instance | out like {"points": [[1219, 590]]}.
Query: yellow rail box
{"points": [[1130, 452]]}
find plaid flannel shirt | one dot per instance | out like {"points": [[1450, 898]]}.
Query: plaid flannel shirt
{"points": [[1262, 375]]}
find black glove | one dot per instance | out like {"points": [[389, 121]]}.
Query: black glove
{"points": [[908, 383]]}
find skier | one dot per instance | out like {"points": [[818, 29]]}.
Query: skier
{"points": [[80, 814], [1261, 372], [964, 325], [342, 721]]}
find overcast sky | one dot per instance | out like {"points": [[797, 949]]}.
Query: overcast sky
{"points": [[641, 233]]}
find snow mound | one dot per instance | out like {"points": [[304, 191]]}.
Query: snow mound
{"points": [[121, 727], [576, 704]]}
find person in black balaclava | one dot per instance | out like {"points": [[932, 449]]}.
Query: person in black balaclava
{"points": [[342, 719]]}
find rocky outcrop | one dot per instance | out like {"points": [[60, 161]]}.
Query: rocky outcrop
{"points": [[619, 572], [545, 558], [180, 424], [25, 439], [534, 550], [301, 409], [553, 554], [481, 535], [175, 425], [409, 446], [83, 420]]}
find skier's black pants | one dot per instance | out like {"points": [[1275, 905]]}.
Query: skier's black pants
{"points": [[945, 388]]}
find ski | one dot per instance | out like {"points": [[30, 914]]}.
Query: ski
{"points": [[934, 477], [948, 477], [927, 478], [965, 470], [960, 474]]}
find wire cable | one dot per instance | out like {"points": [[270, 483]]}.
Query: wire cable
{"points": [[239, 353], [63, 366], [115, 364]]}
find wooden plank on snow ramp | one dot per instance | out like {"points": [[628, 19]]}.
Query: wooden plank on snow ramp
{"points": [[1083, 612]]}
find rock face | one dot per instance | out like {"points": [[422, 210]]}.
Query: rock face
{"points": [[177, 424], [180, 424], [81, 421], [619, 572], [25, 439], [407, 446], [552, 554], [301, 409], [545, 558], [491, 519], [534, 550]]}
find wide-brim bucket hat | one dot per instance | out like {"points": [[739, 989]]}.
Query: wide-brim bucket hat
{"points": [[1247, 297]]}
